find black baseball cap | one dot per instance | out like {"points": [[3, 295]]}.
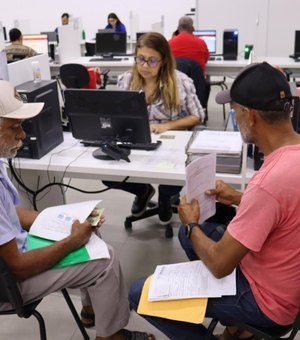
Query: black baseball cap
{"points": [[259, 86]]}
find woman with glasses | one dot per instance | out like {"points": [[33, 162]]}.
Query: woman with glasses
{"points": [[172, 105]]}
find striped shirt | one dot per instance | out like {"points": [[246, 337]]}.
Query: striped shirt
{"points": [[189, 102]]}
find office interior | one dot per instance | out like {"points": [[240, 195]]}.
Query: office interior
{"points": [[260, 23]]}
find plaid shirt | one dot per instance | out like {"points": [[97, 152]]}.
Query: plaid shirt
{"points": [[189, 102]]}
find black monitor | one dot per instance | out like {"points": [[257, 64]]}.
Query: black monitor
{"points": [[110, 43], [108, 115], [297, 44]]}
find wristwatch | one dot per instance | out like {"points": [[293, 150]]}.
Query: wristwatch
{"points": [[188, 228]]}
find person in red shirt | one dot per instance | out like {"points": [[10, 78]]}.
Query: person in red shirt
{"points": [[186, 45]]}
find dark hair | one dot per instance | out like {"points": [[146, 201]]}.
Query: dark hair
{"points": [[65, 15], [114, 16], [14, 34]]}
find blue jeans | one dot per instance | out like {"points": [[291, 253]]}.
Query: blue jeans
{"points": [[229, 310]]}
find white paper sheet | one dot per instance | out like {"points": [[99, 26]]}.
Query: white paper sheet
{"points": [[188, 280], [200, 176]]}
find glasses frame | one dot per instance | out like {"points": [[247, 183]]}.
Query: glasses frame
{"points": [[142, 61]]}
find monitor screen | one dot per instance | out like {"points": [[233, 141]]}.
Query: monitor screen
{"points": [[110, 43], [297, 44], [52, 36], [210, 38], [39, 42], [108, 115]]}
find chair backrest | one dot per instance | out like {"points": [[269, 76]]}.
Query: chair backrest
{"points": [[74, 76], [193, 70], [9, 290], [90, 49]]}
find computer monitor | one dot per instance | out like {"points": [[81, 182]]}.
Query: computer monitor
{"points": [[297, 44], [52, 36], [110, 43], [210, 38], [39, 42], [108, 115]]}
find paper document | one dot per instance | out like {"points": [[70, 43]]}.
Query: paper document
{"points": [[55, 223], [217, 141], [188, 280], [187, 310], [201, 176]]}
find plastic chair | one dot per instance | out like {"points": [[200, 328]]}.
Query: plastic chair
{"points": [[273, 333], [9, 292]]}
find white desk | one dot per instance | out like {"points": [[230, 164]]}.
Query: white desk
{"points": [[116, 67], [224, 68], [231, 68], [166, 165]]}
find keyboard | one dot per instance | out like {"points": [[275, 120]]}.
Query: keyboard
{"points": [[131, 146], [105, 59], [141, 146]]}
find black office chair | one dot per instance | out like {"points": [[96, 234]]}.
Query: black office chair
{"points": [[193, 70], [90, 49], [9, 292], [74, 76], [274, 333]]}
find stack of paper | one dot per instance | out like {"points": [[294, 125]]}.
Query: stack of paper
{"points": [[55, 223], [180, 291], [227, 145]]}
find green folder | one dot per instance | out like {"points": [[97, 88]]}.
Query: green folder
{"points": [[76, 256]]}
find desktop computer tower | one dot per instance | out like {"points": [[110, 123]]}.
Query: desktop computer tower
{"points": [[230, 44], [44, 131]]}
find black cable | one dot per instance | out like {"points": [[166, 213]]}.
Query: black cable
{"points": [[37, 192]]}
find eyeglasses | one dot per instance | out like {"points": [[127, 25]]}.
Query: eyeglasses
{"points": [[151, 62]]}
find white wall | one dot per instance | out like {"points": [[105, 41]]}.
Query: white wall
{"points": [[267, 24], [45, 15]]}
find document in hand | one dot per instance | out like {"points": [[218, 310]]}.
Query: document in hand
{"points": [[188, 280], [54, 224], [200, 176]]}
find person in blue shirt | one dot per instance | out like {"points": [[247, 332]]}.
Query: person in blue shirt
{"points": [[115, 23]]}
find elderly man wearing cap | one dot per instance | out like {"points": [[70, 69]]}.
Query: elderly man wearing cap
{"points": [[262, 242], [103, 292], [186, 45]]}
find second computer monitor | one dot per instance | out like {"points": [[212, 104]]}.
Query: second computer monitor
{"points": [[210, 38], [108, 115], [38, 42], [110, 43]]}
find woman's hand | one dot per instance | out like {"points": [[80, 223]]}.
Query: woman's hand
{"points": [[159, 128]]}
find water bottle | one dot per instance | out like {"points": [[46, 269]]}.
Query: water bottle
{"points": [[36, 72]]}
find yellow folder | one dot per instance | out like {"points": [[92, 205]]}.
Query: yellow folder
{"points": [[188, 310]]}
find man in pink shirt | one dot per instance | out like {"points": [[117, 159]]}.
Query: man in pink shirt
{"points": [[262, 242]]}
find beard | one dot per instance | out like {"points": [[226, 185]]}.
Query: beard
{"points": [[8, 151], [246, 134]]}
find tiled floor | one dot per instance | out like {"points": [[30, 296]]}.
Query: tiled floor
{"points": [[139, 251]]}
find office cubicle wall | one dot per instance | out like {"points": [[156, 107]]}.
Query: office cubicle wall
{"points": [[21, 71]]}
